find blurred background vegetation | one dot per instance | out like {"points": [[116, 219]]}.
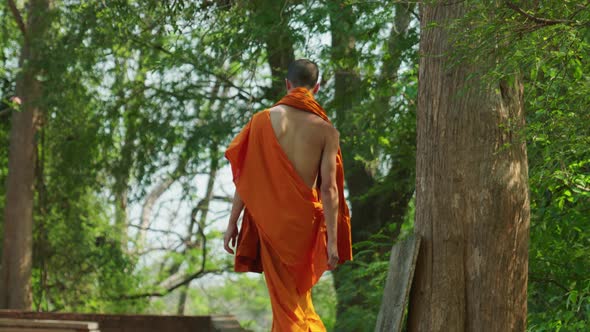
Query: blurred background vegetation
{"points": [[140, 98]]}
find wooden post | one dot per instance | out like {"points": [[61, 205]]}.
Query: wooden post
{"points": [[402, 264]]}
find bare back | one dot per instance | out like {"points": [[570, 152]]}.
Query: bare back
{"points": [[302, 135]]}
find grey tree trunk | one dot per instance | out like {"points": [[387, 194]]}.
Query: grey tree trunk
{"points": [[203, 207], [15, 275], [472, 203]]}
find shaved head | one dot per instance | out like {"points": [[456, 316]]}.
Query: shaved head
{"points": [[303, 73]]}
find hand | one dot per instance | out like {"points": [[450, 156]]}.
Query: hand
{"points": [[332, 254], [231, 236]]}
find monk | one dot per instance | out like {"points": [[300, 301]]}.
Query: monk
{"points": [[287, 168]]}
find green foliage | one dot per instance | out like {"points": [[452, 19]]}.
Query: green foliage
{"points": [[77, 266], [559, 157], [548, 46], [140, 92], [367, 275]]}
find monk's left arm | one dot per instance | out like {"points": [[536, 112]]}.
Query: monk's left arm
{"points": [[236, 209]]}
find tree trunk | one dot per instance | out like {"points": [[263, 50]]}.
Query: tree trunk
{"points": [[132, 118], [182, 299], [146, 211], [15, 286], [274, 20], [358, 180], [203, 207], [472, 204]]}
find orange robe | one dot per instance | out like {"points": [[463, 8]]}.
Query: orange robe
{"points": [[283, 231]]}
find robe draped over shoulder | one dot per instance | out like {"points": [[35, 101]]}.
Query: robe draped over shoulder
{"points": [[280, 209]]}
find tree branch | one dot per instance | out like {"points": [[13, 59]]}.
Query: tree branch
{"points": [[166, 291], [202, 271], [538, 20], [146, 210], [225, 199], [549, 280], [17, 16], [587, 189], [242, 93], [163, 231], [171, 283]]}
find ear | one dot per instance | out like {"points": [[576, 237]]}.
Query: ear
{"points": [[288, 84], [316, 88]]}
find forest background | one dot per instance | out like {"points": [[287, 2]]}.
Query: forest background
{"points": [[135, 102]]}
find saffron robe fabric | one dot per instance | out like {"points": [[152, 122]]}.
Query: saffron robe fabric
{"points": [[283, 230]]}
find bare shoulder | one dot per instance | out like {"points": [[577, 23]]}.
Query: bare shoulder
{"points": [[330, 136], [277, 109], [329, 131]]}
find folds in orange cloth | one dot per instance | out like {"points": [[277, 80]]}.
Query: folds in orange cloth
{"points": [[283, 231]]}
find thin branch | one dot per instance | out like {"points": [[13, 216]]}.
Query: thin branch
{"points": [[157, 230], [549, 280], [154, 249], [202, 271], [181, 283], [538, 20], [17, 16], [225, 199], [242, 93]]}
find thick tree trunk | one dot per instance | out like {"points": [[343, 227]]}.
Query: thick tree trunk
{"points": [[472, 204], [15, 287]]}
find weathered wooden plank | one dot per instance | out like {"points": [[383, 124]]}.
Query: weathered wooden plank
{"points": [[41, 329], [402, 263], [44, 325], [226, 323], [123, 323]]}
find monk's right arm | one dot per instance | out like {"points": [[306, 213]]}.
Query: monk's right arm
{"points": [[329, 193], [230, 239]]}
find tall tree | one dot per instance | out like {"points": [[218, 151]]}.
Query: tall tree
{"points": [[472, 203], [273, 17], [15, 283]]}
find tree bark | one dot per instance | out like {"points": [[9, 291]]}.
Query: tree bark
{"points": [[15, 283], [472, 203]]}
